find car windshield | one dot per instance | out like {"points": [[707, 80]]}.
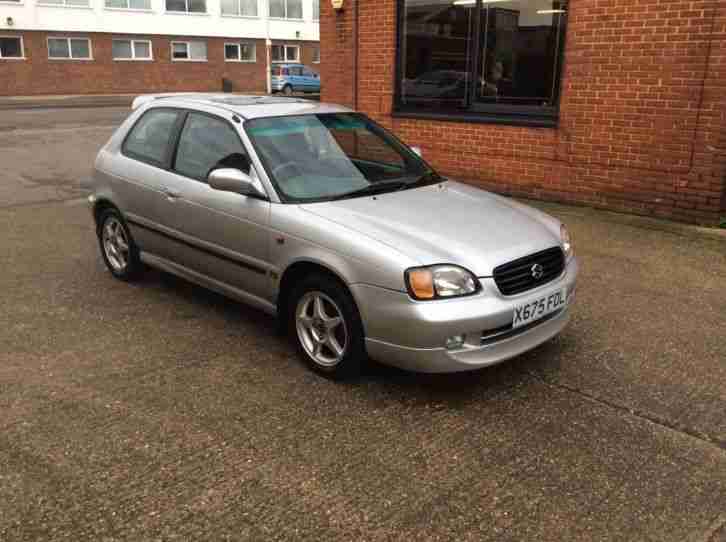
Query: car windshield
{"points": [[334, 156]]}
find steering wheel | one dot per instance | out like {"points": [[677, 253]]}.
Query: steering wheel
{"points": [[277, 169]]}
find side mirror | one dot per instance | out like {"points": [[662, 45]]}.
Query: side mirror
{"points": [[417, 151], [234, 180]]}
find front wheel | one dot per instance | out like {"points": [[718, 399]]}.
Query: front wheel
{"points": [[326, 327], [287, 90]]}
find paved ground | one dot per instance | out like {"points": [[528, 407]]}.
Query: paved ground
{"points": [[161, 411]]}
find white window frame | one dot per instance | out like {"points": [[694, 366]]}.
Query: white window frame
{"points": [[44, 4], [70, 49], [286, 60], [134, 58], [239, 45], [128, 3], [189, 49], [285, 17], [187, 12], [239, 12], [22, 48]]}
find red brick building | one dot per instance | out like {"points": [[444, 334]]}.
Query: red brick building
{"points": [[619, 104]]}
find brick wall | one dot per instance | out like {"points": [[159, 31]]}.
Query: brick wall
{"points": [[643, 119], [39, 75]]}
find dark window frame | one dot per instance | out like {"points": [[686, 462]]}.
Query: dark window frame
{"points": [[479, 112]]}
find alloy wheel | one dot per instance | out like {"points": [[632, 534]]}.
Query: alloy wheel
{"points": [[115, 244], [321, 329]]}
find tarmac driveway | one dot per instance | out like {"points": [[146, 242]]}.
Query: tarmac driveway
{"points": [[158, 410]]}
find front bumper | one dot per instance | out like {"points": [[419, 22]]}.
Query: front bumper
{"points": [[412, 335]]}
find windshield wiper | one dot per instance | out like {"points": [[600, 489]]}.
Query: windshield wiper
{"points": [[372, 189], [430, 177]]}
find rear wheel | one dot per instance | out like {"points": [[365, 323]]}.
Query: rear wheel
{"points": [[118, 249], [287, 90], [325, 324]]}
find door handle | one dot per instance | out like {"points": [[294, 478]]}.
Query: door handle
{"points": [[171, 193]]}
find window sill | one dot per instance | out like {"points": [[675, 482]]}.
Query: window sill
{"points": [[11, 3], [130, 10], [12, 58], [480, 118], [189, 60], [133, 59], [240, 61], [287, 19], [232, 16], [63, 6], [57, 59], [188, 13]]}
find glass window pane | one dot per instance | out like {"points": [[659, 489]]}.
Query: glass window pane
{"points": [[197, 6], [83, 3], [142, 49], [121, 49], [58, 48], [248, 52], [519, 52], [294, 9], [293, 54], [316, 10], [204, 143], [198, 50], [179, 50], [277, 8], [53, 2], [316, 54], [248, 8], [10, 48], [278, 53], [80, 48], [150, 137], [230, 7], [116, 4], [231, 51], [140, 4], [436, 51], [176, 5]]}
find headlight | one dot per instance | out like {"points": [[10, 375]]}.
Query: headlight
{"points": [[566, 242], [440, 282]]}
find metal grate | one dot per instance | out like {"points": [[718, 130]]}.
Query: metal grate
{"points": [[519, 276]]}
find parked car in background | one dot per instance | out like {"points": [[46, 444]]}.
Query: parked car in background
{"points": [[291, 78], [318, 215]]}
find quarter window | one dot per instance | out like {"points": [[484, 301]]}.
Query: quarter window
{"points": [[129, 4], [187, 6], [207, 143], [483, 57], [241, 8], [285, 53], [189, 50], [286, 9], [69, 48], [240, 52], [150, 139], [11, 47], [131, 50]]}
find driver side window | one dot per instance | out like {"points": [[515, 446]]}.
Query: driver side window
{"points": [[207, 143]]}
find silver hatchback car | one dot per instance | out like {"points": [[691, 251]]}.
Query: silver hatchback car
{"points": [[318, 215]]}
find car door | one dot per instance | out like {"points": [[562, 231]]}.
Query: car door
{"points": [[144, 158], [312, 82], [296, 79], [221, 235]]}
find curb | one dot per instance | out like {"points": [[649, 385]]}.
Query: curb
{"points": [[70, 102]]}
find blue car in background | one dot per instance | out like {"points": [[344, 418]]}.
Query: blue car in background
{"points": [[289, 78]]}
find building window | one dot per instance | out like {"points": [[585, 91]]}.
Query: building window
{"points": [[69, 48], [499, 60], [142, 5], [240, 52], [286, 9], [285, 53], [239, 8], [187, 6], [131, 50], [65, 3], [189, 50], [316, 54], [11, 47], [316, 10]]}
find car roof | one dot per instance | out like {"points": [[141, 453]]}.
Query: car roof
{"points": [[246, 106]]}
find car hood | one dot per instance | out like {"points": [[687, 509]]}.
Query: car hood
{"points": [[447, 223]]}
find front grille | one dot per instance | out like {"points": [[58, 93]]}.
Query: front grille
{"points": [[516, 277]]}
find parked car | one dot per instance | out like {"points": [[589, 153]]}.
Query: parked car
{"points": [[318, 215], [290, 78]]}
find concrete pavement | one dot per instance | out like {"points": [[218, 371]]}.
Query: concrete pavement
{"points": [[158, 410]]}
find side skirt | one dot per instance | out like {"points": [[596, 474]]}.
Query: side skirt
{"points": [[208, 282]]}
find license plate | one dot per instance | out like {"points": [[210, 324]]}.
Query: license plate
{"points": [[539, 308]]}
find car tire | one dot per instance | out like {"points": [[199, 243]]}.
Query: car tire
{"points": [[118, 249], [287, 90], [325, 325]]}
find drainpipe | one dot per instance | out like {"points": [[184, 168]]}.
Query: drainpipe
{"points": [[268, 56]]}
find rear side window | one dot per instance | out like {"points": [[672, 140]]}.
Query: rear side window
{"points": [[208, 143], [150, 139]]}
